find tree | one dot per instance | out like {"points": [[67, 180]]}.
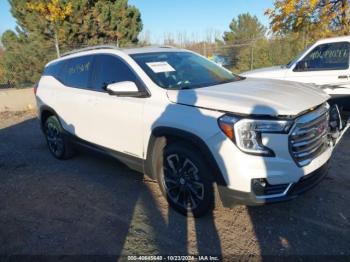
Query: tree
{"points": [[2, 70], [244, 29], [70, 24], [313, 18], [245, 32], [86, 22], [24, 57], [118, 21], [54, 12]]}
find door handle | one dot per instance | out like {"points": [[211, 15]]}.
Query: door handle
{"points": [[343, 77]]}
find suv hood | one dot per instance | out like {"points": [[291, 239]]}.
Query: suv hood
{"points": [[275, 72], [253, 96]]}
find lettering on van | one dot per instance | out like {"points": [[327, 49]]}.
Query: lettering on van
{"points": [[329, 54]]}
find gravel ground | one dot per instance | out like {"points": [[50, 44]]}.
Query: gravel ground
{"points": [[94, 205]]}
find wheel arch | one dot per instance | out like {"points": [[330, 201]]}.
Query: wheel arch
{"points": [[162, 135], [45, 113]]}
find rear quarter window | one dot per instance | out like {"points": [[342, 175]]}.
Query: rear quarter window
{"points": [[53, 70]]}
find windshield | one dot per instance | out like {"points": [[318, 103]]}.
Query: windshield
{"points": [[179, 70]]}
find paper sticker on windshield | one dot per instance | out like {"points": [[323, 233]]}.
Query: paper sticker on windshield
{"points": [[160, 67]]}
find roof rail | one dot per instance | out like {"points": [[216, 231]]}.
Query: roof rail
{"points": [[96, 47], [90, 48], [166, 46]]}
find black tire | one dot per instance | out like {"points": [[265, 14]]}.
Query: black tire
{"points": [[58, 144], [185, 179]]}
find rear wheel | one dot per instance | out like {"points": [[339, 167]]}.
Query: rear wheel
{"points": [[185, 180], [58, 145]]}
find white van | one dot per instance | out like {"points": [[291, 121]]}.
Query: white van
{"points": [[326, 64]]}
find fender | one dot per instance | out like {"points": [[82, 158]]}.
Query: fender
{"points": [[193, 139]]}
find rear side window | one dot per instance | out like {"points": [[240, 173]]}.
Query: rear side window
{"points": [[332, 56], [77, 71], [110, 69]]}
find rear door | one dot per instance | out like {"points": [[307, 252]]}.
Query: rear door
{"points": [[73, 94], [49, 84], [325, 65]]}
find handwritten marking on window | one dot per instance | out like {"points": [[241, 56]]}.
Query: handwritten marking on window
{"points": [[79, 68]]}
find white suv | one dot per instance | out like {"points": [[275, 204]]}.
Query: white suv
{"points": [[189, 123]]}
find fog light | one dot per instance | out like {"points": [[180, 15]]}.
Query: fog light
{"points": [[260, 182], [259, 185]]}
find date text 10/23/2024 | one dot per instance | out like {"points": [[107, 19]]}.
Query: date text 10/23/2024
{"points": [[173, 258]]}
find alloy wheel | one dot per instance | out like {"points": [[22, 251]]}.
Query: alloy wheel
{"points": [[182, 181], [54, 139]]}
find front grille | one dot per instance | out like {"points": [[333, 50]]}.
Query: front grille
{"points": [[309, 137], [309, 181]]}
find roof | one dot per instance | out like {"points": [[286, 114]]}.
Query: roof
{"points": [[151, 49], [334, 39]]}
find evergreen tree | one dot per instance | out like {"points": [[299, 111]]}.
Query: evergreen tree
{"points": [[2, 71], [118, 22], [244, 29], [244, 32], [24, 57], [64, 24], [80, 22]]}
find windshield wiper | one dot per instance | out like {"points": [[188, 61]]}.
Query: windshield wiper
{"points": [[180, 87]]}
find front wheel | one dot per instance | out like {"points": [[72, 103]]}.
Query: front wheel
{"points": [[185, 179]]}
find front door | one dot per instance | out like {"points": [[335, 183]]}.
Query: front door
{"points": [[114, 122]]}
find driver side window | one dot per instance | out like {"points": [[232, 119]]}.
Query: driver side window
{"points": [[331, 56]]}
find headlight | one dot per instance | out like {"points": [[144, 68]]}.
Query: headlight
{"points": [[246, 133]]}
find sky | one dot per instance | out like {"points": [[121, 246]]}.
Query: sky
{"points": [[194, 17]]}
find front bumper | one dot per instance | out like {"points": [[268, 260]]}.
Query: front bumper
{"points": [[231, 197]]}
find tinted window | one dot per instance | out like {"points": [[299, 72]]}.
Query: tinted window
{"points": [[179, 70], [333, 56], [53, 70], [110, 69], [76, 72]]}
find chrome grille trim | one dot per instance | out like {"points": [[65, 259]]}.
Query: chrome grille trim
{"points": [[309, 136], [309, 139], [276, 195]]}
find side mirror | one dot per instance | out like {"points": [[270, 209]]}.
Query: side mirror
{"points": [[126, 88], [301, 66]]}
